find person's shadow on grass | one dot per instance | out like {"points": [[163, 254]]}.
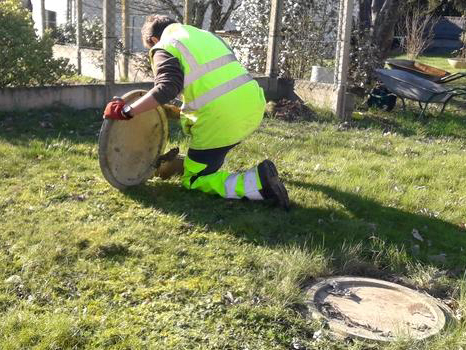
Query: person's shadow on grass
{"points": [[353, 220]]}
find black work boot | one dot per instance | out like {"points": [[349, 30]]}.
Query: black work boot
{"points": [[272, 187]]}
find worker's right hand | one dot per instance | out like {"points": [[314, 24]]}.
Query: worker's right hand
{"points": [[114, 109]]}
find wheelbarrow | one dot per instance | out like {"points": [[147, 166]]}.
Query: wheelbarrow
{"points": [[410, 86], [422, 70]]}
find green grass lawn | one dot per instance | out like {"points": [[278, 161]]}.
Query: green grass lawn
{"points": [[83, 265]]}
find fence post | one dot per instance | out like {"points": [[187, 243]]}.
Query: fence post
{"points": [[79, 32], [342, 55], [125, 36], [187, 13], [42, 17], [275, 24], [109, 44], [69, 18]]}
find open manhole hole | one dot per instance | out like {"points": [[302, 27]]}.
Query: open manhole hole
{"points": [[374, 309]]}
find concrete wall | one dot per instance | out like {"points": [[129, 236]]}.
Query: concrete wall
{"points": [[321, 95], [94, 96], [76, 96]]}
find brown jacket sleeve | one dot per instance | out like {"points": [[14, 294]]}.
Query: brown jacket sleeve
{"points": [[169, 77]]}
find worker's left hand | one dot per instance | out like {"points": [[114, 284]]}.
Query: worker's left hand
{"points": [[114, 109], [171, 111]]}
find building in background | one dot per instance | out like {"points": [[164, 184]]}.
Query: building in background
{"points": [[61, 12]]}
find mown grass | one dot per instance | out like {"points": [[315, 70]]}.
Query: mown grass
{"points": [[86, 266]]}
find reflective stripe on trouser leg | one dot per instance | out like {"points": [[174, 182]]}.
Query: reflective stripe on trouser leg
{"points": [[252, 184], [232, 186], [244, 185]]}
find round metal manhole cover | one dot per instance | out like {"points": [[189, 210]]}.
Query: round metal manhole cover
{"points": [[375, 309], [129, 149]]}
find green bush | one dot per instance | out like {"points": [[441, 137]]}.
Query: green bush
{"points": [[91, 33], [25, 58]]}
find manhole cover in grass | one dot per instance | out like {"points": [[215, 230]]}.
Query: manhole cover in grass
{"points": [[375, 309]]}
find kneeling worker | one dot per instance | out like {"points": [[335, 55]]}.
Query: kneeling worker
{"points": [[222, 105]]}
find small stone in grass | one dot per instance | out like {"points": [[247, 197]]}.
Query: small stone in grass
{"points": [[14, 279]]}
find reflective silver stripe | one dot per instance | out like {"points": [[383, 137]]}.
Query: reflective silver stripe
{"points": [[230, 185], [250, 185], [216, 92], [185, 52], [198, 71]]}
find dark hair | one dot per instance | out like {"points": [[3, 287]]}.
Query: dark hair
{"points": [[154, 26]]}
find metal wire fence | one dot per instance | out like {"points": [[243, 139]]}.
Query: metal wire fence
{"points": [[309, 37], [103, 36]]}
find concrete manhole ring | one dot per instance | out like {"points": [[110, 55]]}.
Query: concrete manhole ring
{"points": [[374, 309]]}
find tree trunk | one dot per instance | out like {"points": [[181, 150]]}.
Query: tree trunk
{"points": [[219, 19], [172, 6], [199, 10], [384, 26], [380, 17], [376, 6], [365, 19], [216, 15]]}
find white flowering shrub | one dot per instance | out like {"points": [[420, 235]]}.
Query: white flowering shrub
{"points": [[364, 60], [309, 31]]}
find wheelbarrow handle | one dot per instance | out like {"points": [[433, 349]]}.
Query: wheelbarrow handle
{"points": [[452, 77]]}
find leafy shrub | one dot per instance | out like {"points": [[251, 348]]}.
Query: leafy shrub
{"points": [[308, 29], [92, 30], [26, 59], [364, 59]]}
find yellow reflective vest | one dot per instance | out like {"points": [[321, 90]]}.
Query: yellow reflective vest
{"points": [[222, 103]]}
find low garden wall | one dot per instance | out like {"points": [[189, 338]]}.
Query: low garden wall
{"points": [[97, 95], [74, 96]]}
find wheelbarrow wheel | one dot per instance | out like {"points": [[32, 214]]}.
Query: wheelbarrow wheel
{"points": [[382, 99]]}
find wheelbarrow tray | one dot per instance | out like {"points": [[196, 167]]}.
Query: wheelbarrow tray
{"points": [[413, 87], [417, 68], [422, 70]]}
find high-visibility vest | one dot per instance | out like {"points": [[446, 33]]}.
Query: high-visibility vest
{"points": [[222, 103]]}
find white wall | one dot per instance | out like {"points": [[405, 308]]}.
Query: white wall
{"points": [[91, 61]]}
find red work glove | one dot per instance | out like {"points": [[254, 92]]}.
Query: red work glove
{"points": [[114, 109]]}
